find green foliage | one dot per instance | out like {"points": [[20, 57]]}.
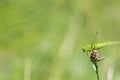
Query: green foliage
{"points": [[42, 39]]}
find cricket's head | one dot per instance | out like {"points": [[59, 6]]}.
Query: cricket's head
{"points": [[88, 48], [85, 50]]}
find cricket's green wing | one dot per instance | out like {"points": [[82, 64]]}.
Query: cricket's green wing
{"points": [[90, 47]]}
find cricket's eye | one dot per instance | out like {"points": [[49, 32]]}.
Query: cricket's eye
{"points": [[83, 50]]}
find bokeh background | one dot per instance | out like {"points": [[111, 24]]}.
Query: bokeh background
{"points": [[43, 39]]}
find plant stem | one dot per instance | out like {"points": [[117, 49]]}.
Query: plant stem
{"points": [[97, 73]]}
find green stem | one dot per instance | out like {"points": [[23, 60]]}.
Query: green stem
{"points": [[97, 73]]}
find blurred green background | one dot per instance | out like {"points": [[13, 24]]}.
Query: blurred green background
{"points": [[43, 39]]}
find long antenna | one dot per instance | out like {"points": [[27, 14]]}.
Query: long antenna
{"points": [[92, 44]]}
